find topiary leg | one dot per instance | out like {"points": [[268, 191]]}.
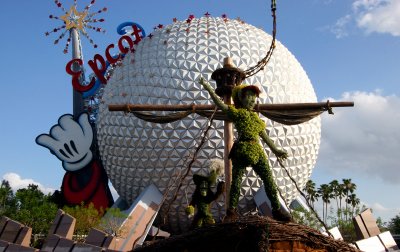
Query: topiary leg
{"points": [[199, 222], [237, 175], [264, 172], [209, 220]]}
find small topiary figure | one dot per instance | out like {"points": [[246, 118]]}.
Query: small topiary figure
{"points": [[247, 151], [203, 196]]}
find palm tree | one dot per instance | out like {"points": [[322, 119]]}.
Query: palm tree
{"points": [[340, 194], [311, 193], [326, 194], [348, 188], [353, 201], [334, 185]]}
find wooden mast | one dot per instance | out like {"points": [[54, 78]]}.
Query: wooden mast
{"points": [[203, 107]]}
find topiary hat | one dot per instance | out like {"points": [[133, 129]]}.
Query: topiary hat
{"points": [[239, 91]]}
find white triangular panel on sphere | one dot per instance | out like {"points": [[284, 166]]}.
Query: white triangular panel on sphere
{"points": [[165, 70]]}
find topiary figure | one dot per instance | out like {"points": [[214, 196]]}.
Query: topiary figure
{"points": [[203, 196], [247, 151]]}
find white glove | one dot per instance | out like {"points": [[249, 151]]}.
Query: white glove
{"points": [[70, 141]]}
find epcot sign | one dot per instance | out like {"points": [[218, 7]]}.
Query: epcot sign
{"points": [[99, 70]]}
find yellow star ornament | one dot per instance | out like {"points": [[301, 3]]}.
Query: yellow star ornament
{"points": [[74, 19]]}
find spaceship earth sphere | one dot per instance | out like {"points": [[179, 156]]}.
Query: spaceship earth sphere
{"points": [[165, 69]]}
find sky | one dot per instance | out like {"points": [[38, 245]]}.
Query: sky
{"points": [[349, 49]]}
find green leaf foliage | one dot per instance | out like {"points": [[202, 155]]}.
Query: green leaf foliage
{"points": [[34, 209], [87, 217]]}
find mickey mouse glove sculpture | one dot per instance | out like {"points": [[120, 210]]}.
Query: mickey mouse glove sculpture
{"points": [[85, 179], [70, 141]]}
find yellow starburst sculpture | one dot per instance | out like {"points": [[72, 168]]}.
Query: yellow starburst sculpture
{"points": [[80, 21], [74, 19]]}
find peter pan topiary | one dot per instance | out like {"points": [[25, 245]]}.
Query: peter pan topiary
{"points": [[247, 151], [203, 196]]}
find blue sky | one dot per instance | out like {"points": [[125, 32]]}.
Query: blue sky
{"points": [[349, 49]]}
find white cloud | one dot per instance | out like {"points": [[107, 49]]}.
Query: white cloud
{"points": [[339, 29], [360, 5], [364, 139], [380, 16], [378, 207], [16, 182], [386, 214]]}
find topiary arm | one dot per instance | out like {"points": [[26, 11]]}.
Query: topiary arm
{"points": [[278, 153], [220, 104], [189, 210]]}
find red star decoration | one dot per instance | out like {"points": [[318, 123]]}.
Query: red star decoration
{"points": [[174, 20], [150, 35], [207, 14], [191, 16], [224, 16], [47, 33], [160, 26]]}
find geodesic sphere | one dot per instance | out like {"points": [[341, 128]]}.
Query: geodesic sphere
{"points": [[165, 69]]}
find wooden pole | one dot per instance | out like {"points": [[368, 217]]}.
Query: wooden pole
{"points": [[228, 129], [228, 143], [186, 107]]}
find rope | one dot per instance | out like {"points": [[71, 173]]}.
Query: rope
{"points": [[302, 194], [260, 66], [263, 62], [203, 140]]}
